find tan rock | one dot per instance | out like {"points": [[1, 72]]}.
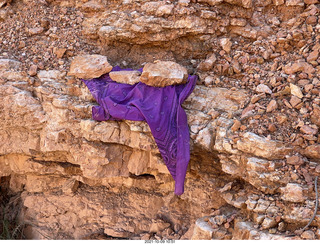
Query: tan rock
{"points": [[308, 235], [268, 223], [308, 130], [207, 65], [294, 3], [278, 2], [165, 10], [33, 70], [125, 76], [292, 193], [315, 116], [226, 44], [313, 151], [202, 230], [158, 225], [211, 2], [9, 64], [238, 22], [89, 66], [261, 147], [35, 30], [272, 106], [92, 6], [311, 1], [295, 160], [236, 125], [50, 75], [59, 52], [163, 73], [294, 101], [296, 91], [299, 66], [263, 89]]}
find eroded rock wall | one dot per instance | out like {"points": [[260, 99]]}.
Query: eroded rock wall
{"points": [[254, 149]]}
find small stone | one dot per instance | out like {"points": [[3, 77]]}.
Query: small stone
{"points": [[313, 56], [282, 119], [158, 226], [163, 73], [281, 226], [299, 66], [238, 22], [89, 66], [308, 235], [292, 193], [294, 3], [295, 160], [226, 44], [272, 106], [263, 88], [311, 20], [308, 130], [272, 128], [296, 91], [35, 31], [236, 125], [308, 87], [313, 151], [125, 76], [311, 1], [268, 223], [207, 65], [208, 81], [294, 101], [315, 116], [59, 52], [236, 67], [33, 70], [256, 98], [22, 44], [165, 10]]}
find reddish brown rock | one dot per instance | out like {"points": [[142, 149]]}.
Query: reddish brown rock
{"points": [[33, 70], [272, 106], [308, 130], [59, 52], [299, 66], [313, 55], [294, 101], [315, 117], [236, 125], [295, 160], [311, 1], [208, 63], [313, 151]]}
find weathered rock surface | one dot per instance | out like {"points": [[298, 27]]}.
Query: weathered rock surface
{"points": [[163, 73], [89, 66], [127, 77]]}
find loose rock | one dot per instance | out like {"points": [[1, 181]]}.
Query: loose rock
{"points": [[163, 73], [127, 77], [89, 66], [272, 106]]}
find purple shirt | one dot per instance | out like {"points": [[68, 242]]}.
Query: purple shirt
{"points": [[159, 107]]}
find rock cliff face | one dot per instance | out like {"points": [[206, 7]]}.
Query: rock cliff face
{"points": [[253, 118]]}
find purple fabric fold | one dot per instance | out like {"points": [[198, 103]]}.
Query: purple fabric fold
{"points": [[159, 107]]}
